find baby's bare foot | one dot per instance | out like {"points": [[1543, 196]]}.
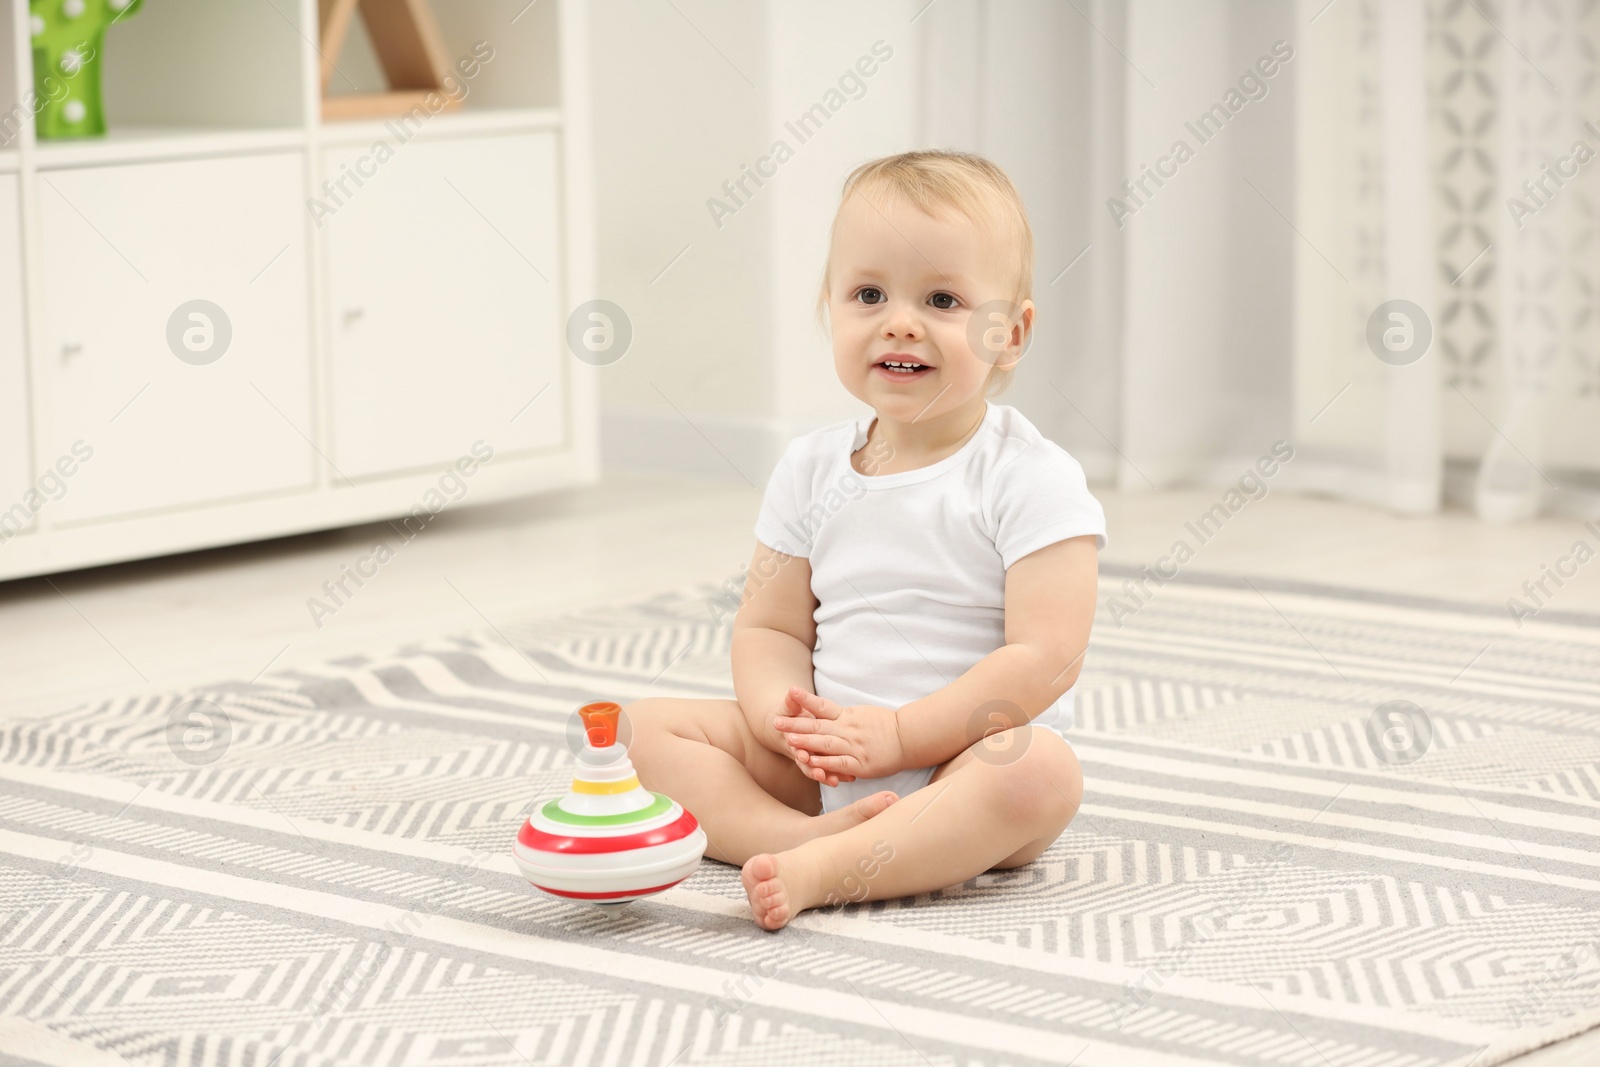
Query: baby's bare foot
{"points": [[770, 881], [852, 814]]}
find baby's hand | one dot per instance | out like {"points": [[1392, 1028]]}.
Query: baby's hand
{"points": [[862, 740], [800, 755]]}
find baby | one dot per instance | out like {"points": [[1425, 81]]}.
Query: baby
{"points": [[919, 602]]}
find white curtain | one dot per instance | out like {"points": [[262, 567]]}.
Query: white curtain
{"points": [[1418, 126], [1544, 392], [1197, 320], [1366, 427]]}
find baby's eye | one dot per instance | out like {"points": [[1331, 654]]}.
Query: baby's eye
{"points": [[943, 301], [869, 294]]}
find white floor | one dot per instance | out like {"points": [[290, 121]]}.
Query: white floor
{"points": [[234, 612]]}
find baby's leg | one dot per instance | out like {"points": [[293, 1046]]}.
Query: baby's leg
{"points": [[748, 798], [999, 803]]}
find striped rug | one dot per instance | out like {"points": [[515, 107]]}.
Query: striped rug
{"points": [[1320, 828]]}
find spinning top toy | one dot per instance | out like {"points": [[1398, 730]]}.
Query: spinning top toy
{"points": [[608, 840]]}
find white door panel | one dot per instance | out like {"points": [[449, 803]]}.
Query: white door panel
{"points": [[133, 362], [443, 267]]}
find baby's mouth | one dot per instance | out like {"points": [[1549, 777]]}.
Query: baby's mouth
{"points": [[902, 368]]}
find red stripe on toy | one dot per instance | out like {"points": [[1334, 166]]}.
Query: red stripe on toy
{"points": [[609, 896], [536, 839]]}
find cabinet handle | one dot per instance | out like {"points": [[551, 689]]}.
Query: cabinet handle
{"points": [[352, 314], [70, 348]]}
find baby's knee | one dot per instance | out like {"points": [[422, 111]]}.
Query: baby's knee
{"points": [[1041, 778]]}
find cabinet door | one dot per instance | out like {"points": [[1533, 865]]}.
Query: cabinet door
{"points": [[16, 512], [444, 270], [181, 401]]}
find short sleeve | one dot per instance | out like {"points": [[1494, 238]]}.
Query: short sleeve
{"points": [[1040, 497], [779, 525]]}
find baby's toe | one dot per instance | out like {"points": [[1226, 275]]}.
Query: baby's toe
{"points": [[769, 899]]}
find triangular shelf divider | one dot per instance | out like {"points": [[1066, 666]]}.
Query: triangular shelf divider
{"points": [[410, 49]]}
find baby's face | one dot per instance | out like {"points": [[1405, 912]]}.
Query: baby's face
{"points": [[902, 287]]}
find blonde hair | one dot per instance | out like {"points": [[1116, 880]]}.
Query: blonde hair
{"points": [[936, 180]]}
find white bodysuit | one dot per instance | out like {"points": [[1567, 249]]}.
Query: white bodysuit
{"points": [[909, 568]]}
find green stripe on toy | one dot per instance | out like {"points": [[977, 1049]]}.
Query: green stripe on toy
{"points": [[553, 811]]}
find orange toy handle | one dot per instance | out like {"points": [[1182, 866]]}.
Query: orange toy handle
{"points": [[600, 722]]}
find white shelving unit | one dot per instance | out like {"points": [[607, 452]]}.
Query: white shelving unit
{"points": [[395, 294]]}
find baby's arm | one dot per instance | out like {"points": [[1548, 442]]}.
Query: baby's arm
{"points": [[1050, 599], [773, 636]]}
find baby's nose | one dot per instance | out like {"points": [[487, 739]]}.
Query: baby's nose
{"points": [[901, 325]]}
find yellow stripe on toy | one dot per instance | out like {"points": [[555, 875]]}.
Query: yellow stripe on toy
{"points": [[580, 786]]}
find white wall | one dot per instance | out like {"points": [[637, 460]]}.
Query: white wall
{"points": [[676, 114]]}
